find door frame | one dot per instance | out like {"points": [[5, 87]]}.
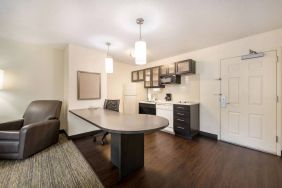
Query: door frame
{"points": [[278, 109]]}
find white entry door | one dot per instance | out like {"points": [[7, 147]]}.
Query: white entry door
{"points": [[249, 90]]}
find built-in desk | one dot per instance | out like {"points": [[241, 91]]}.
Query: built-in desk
{"points": [[127, 134]]}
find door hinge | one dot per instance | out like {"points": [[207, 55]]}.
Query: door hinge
{"points": [[277, 59], [277, 99], [276, 139]]}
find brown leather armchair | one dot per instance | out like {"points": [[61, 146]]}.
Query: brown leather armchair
{"points": [[38, 129]]}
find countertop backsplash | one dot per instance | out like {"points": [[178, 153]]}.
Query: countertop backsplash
{"points": [[188, 90]]}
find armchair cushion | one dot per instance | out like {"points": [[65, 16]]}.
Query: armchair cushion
{"points": [[9, 135], [7, 146]]}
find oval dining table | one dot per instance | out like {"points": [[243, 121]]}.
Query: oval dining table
{"points": [[127, 134]]}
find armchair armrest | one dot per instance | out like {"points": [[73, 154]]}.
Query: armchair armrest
{"points": [[37, 136], [11, 125]]}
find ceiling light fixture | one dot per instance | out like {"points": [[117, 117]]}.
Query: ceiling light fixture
{"points": [[109, 61], [140, 50]]}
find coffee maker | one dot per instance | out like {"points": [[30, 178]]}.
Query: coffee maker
{"points": [[168, 97]]}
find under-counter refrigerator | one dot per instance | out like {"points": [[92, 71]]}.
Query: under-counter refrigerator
{"points": [[132, 94]]}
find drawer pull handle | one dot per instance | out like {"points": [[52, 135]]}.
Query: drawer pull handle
{"points": [[180, 120], [180, 107], [180, 127], [180, 114]]}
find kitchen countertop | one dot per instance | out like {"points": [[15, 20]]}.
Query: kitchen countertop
{"points": [[168, 102]]}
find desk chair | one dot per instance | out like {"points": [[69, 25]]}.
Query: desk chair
{"points": [[109, 105]]}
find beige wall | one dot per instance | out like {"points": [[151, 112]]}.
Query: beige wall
{"points": [[116, 80], [32, 72], [208, 61], [78, 58]]}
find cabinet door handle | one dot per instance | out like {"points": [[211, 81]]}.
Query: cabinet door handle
{"points": [[180, 114], [180, 127], [180, 120]]}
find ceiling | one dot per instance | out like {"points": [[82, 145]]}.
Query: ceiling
{"points": [[171, 26]]}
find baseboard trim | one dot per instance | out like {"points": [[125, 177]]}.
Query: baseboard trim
{"points": [[208, 135]]}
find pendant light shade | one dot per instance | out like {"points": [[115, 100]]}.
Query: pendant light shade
{"points": [[140, 52], [140, 48], [1, 79], [109, 62]]}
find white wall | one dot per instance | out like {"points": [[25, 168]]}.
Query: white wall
{"points": [[80, 58], [208, 60], [116, 80], [32, 72]]}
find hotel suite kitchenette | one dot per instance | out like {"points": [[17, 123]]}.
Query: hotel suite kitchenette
{"points": [[129, 94], [172, 91]]}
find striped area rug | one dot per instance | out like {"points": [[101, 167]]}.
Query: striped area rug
{"points": [[60, 165]]}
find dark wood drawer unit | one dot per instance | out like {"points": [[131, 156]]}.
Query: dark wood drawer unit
{"points": [[181, 114], [182, 108], [181, 120], [186, 120]]}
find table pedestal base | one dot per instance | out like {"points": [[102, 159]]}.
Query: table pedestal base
{"points": [[127, 152]]}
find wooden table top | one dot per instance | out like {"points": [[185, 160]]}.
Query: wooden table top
{"points": [[116, 122]]}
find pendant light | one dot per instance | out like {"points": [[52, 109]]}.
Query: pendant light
{"points": [[140, 48], [109, 61]]}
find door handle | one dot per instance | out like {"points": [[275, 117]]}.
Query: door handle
{"points": [[180, 127], [180, 114], [180, 120], [223, 101]]}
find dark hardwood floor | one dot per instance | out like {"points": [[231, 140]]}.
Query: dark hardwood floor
{"points": [[173, 162]]}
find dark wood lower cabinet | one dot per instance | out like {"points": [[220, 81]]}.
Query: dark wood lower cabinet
{"points": [[186, 120]]}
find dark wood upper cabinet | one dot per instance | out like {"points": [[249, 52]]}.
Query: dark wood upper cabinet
{"points": [[148, 78], [186, 67], [134, 76], [163, 70], [137, 76], [141, 75], [156, 77], [152, 78], [171, 69], [166, 70]]}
